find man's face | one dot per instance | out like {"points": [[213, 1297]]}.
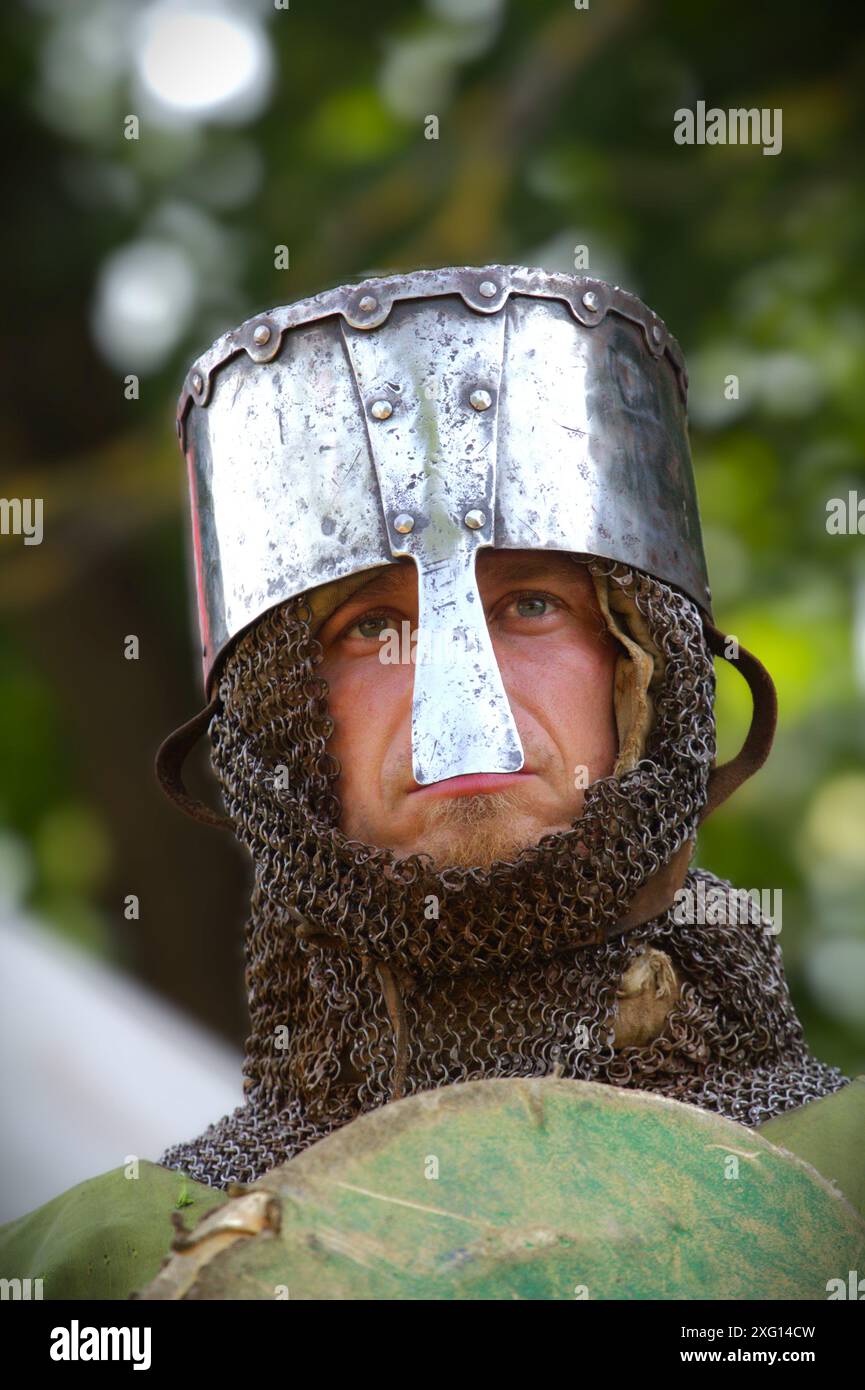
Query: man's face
{"points": [[557, 664]]}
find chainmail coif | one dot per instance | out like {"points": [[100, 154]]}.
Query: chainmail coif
{"points": [[371, 978]]}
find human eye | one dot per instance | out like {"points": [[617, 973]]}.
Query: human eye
{"points": [[372, 626], [532, 604]]}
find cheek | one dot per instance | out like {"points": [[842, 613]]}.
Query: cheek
{"points": [[569, 688], [347, 702], [584, 686], [594, 676], [583, 718], [366, 702], [581, 668]]}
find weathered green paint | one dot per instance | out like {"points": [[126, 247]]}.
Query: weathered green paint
{"points": [[545, 1188], [104, 1237], [108, 1236], [830, 1135]]}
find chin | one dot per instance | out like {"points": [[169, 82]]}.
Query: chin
{"points": [[473, 832]]}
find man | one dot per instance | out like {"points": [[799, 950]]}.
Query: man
{"points": [[455, 627], [458, 646]]}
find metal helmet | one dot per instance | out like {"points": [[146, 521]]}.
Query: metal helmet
{"points": [[427, 415]]}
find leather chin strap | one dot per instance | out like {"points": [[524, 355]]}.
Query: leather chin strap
{"points": [[659, 892]]}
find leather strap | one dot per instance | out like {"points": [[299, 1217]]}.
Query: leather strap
{"points": [[724, 780], [171, 756], [657, 893]]}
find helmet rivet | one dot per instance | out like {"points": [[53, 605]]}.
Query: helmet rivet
{"points": [[591, 301], [197, 381], [403, 523], [481, 400], [488, 288], [381, 410], [475, 519], [261, 334], [657, 332], [367, 304]]}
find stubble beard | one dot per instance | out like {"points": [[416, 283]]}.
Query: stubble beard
{"points": [[476, 831]]}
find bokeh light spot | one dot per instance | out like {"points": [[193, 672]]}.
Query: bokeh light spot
{"points": [[200, 60]]}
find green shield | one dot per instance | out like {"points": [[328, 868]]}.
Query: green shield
{"points": [[529, 1189]]}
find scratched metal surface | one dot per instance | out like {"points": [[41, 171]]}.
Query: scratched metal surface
{"points": [[312, 452]]}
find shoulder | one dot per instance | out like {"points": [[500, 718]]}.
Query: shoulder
{"points": [[741, 926], [708, 900], [102, 1238], [828, 1133]]}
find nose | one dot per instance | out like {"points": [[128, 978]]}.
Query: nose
{"points": [[461, 719]]}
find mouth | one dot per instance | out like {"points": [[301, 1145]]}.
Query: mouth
{"points": [[472, 784]]}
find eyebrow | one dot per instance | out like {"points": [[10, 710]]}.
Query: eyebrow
{"points": [[383, 586], [539, 562], [527, 564], [379, 588]]}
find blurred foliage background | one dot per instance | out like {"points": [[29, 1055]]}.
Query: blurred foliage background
{"points": [[263, 124]]}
